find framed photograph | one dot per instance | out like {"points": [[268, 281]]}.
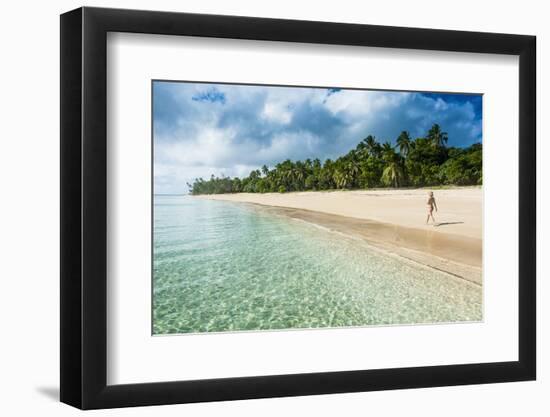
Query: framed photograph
{"points": [[258, 208]]}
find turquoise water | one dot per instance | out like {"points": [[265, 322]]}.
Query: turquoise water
{"points": [[221, 266]]}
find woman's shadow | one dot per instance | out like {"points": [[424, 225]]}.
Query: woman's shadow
{"points": [[446, 223]]}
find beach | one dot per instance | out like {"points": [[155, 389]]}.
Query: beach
{"points": [[392, 221]]}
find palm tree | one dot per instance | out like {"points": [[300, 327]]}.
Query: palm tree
{"points": [[288, 175], [393, 174], [372, 145], [339, 179], [342, 177], [265, 170], [404, 143], [317, 164], [299, 173], [388, 152], [353, 168], [437, 137], [255, 174]]}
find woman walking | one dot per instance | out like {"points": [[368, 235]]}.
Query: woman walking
{"points": [[430, 205]]}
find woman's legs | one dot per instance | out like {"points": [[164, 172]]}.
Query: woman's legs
{"points": [[430, 214]]}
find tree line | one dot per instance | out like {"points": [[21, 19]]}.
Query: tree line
{"points": [[424, 161]]}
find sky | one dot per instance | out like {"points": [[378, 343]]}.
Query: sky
{"points": [[201, 129]]}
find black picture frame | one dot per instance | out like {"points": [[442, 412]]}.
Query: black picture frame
{"points": [[84, 207]]}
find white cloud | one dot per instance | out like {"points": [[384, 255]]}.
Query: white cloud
{"points": [[277, 112]]}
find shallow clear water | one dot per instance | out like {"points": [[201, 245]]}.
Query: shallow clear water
{"points": [[221, 266]]}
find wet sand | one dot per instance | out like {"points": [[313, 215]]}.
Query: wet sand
{"points": [[454, 254], [454, 246]]}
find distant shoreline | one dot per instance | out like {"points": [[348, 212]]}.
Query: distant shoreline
{"points": [[391, 220]]}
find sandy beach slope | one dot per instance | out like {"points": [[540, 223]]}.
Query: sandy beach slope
{"points": [[393, 220], [459, 208]]}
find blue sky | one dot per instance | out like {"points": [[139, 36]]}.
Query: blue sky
{"points": [[202, 129]]}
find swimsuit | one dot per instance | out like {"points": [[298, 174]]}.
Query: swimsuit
{"points": [[430, 207]]}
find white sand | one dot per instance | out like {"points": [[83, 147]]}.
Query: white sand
{"points": [[460, 209]]}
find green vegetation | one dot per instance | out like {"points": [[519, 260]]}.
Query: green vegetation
{"points": [[421, 162]]}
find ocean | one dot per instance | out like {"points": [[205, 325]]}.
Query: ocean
{"points": [[223, 266]]}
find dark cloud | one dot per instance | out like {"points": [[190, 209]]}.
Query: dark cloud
{"points": [[211, 95]]}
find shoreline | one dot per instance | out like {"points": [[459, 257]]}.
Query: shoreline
{"points": [[460, 208], [455, 250]]}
